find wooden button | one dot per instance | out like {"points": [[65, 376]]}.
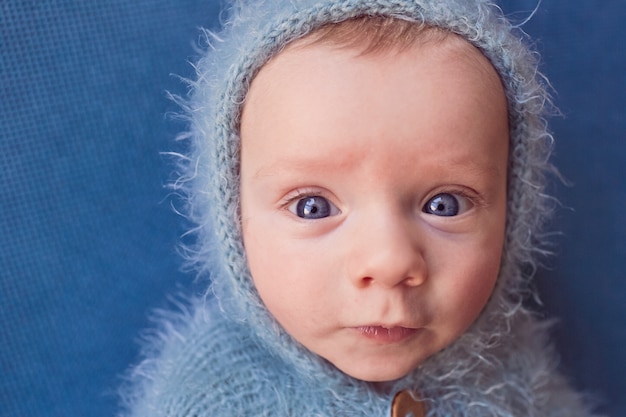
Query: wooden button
{"points": [[405, 404]]}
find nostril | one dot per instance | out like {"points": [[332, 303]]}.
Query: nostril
{"points": [[415, 281]]}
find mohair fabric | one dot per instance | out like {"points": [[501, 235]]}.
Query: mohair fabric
{"points": [[226, 355]]}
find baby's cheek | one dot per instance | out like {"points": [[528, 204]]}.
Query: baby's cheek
{"points": [[477, 291], [466, 297]]}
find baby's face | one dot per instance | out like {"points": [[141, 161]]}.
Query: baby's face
{"points": [[373, 199]]}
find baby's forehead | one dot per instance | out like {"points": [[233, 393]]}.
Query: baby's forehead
{"points": [[382, 39], [386, 47], [316, 102]]}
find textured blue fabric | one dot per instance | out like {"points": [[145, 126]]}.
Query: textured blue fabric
{"points": [[87, 238], [582, 46]]}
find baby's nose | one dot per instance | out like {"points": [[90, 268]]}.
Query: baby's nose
{"points": [[387, 252]]}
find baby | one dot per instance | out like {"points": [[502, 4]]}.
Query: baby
{"points": [[367, 179]]}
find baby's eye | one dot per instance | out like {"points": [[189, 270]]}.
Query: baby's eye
{"points": [[446, 204], [313, 207]]}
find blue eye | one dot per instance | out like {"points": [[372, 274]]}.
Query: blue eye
{"points": [[314, 207], [443, 204]]}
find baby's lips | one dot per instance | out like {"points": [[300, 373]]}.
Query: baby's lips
{"points": [[387, 334]]}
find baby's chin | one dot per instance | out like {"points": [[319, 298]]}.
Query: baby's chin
{"points": [[379, 371]]}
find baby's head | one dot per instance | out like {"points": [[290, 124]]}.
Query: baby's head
{"points": [[371, 173], [373, 192]]}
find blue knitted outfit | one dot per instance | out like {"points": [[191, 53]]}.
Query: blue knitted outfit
{"points": [[225, 355]]}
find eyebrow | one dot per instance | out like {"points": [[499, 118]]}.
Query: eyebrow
{"points": [[298, 165], [342, 166]]}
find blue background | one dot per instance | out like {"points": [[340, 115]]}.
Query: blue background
{"points": [[88, 238]]}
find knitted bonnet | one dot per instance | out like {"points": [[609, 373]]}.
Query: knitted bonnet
{"points": [[254, 31]]}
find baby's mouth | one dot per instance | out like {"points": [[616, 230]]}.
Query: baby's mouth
{"points": [[383, 334]]}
